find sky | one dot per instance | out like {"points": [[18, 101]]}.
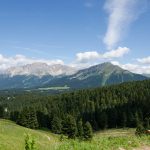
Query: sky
{"points": [[78, 33]]}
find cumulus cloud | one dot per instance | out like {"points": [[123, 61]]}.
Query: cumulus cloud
{"points": [[18, 60], [93, 55], [87, 56], [145, 60], [121, 51], [135, 68], [121, 14]]}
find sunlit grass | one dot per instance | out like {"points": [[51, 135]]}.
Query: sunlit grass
{"points": [[12, 138]]}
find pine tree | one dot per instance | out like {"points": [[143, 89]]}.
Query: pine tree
{"points": [[33, 123], [137, 120], [56, 125], [24, 118], [139, 130], [103, 120], [124, 120], [14, 115], [147, 123], [80, 128], [70, 127], [28, 118], [88, 133], [131, 120], [1, 112]]}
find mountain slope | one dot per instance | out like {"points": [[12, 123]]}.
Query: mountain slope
{"points": [[39, 75], [95, 76]]}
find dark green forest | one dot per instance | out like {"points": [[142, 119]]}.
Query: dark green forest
{"points": [[78, 112]]}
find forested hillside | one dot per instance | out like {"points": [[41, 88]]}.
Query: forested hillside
{"points": [[124, 105]]}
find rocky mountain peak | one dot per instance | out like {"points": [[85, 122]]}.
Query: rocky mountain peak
{"points": [[40, 69]]}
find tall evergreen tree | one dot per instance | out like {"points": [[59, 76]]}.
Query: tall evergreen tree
{"points": [[24, 117], [147, 123], [131, 120], [1, 112], [28, 118], [56, 125], [88, 132], [137, 119], [124, 120], [70, 127], [33, 123], [103, 120], [80, 128]]}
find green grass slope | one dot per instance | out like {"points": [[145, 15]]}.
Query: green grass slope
{"points": [[12, 138]]}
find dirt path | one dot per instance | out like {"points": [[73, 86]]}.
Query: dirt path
{"points": [[48, 137], [143, 148], [140, 148]]}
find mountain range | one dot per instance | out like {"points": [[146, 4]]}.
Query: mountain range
{"points": [[41, 75]]}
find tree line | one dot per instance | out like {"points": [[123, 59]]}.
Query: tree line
{"points": [[116, 106]]}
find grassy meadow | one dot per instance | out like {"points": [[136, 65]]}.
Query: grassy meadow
{"points": [[12, 138]]}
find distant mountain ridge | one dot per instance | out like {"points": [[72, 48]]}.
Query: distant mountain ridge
{"points": [[45, 76], [146, 75], [40, 69]]}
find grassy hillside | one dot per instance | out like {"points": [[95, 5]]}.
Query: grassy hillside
{"points": [[12, 138]]}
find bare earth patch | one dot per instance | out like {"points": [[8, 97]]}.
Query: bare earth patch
{"points": [[143, 148], [140, 148]]}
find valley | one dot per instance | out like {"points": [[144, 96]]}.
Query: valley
{"points": [[74, 75]]}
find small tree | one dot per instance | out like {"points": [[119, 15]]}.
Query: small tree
{"points": [[56, 125], [139, 130], [29, 143], [88, 132]]}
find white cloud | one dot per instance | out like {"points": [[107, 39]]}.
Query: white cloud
{"points": [[121, 14], [87, 56], [83, 61], [18, 60], [145, 60], [116, 53], [93, 55], [136, 68]]}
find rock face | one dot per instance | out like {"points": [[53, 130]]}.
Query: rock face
{"points": [[41, 69], [43, 75]]}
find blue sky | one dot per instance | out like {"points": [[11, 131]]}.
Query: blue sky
{"points": [[75, 32]]}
